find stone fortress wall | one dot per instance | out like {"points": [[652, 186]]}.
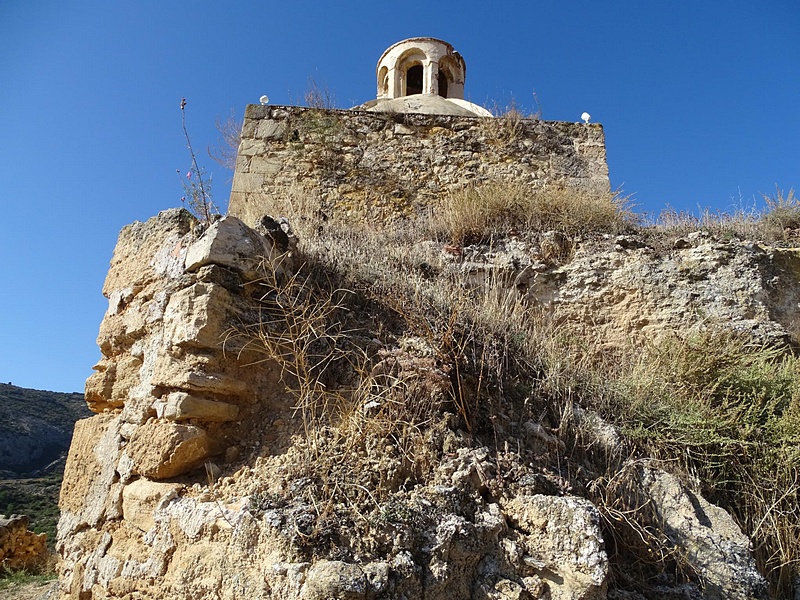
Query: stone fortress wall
{"points": [[379, 164]]}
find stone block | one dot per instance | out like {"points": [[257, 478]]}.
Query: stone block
{"points": [[160, 449], [89, 492], [230, 243], [141, 498], [146, 251], [256, 111], [267, 166], [561, 541], [249, 128], [247, 182], [335, 579], [400, 129], [251, 147], [180, 406], [198, 315], [271, 130]]}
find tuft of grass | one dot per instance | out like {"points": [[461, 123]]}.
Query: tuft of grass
{"points": [[481, 213], [508, 124], [782, 212]]}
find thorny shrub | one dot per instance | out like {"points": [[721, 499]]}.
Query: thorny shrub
{"points": [[350, 395]]}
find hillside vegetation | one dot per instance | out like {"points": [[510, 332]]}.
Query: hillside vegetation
{"points": [[35, 433], [35, 428]]}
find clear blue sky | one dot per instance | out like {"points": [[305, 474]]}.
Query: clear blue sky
{"points": [[700, 101]]}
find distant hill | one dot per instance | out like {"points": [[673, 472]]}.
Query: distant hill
{"points": [[35, 429]]}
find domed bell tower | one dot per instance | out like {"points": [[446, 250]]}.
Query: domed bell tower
{"points": [[421, 65]]}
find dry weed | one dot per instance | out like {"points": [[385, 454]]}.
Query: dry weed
{"points": [[508, 124], [782, 213], [482, 213], [319, 95], [227, 147], [777, 221]]}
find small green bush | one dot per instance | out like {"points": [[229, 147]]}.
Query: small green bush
{"points": [[10, 580]]}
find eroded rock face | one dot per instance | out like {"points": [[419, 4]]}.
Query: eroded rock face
{"points": [[624, 290]]}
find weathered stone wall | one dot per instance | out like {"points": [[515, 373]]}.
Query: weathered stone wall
{"points": [[20, 548], [172, 390], [383, 164]]}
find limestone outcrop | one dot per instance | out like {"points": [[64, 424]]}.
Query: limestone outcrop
{"points": [[184, 484], [170, 395], [623, 289]]}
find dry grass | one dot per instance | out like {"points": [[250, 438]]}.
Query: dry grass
{"points": [[725, 413], [778, 221], [479, 214], [782, 213], [351, 393], [298, 328], [508, 124]]}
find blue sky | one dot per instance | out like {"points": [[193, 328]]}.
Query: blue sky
{"points": [[700, 101]]}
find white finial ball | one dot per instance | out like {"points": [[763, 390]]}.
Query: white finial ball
{"points": [[586, 116], [264, 99]]}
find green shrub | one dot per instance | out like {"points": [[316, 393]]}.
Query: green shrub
{"points": [[728, 411], [11, 580]]}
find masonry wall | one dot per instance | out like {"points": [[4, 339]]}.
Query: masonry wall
{"points": [[379, 165]]}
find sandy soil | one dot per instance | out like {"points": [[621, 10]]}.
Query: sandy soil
{"points": [[29, 591]]}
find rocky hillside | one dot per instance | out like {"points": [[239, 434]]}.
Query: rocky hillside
{"points": [[35, 428], [35, 434], [411, 413]]}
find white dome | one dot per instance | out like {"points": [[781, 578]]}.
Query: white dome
{"points": [[427, 104]]}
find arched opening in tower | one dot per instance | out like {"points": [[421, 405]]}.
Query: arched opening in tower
{"points": [[383, 78], [414, 80], [442, 84]]}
